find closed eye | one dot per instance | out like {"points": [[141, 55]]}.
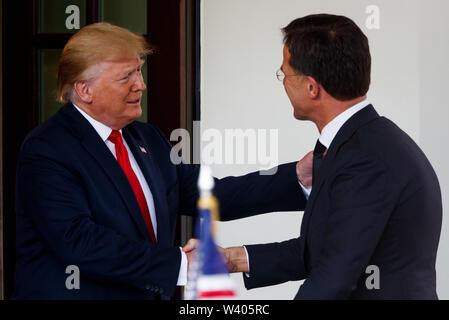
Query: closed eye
{"points": [[125, 78]]}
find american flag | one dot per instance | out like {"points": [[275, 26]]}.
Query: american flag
{"points": [[208, 276]]}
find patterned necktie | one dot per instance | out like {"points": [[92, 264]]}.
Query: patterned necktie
{"points": [[318, 153], [123, 160]]}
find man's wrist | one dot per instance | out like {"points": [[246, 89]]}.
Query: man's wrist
{"points": [[239, 259]]}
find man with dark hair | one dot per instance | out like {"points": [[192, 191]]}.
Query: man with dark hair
{"points": [[372, 221]]}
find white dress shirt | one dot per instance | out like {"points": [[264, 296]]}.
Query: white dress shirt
{"points": [[104, 132]]}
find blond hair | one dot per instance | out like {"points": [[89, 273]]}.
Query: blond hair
{"points": [[95, 43]]}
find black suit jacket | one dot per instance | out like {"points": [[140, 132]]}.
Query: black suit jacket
{"points": [[376, 201], [76, 207]]}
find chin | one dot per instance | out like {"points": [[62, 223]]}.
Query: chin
{"points": [[130, 117], [299, 116], [137, 113]]}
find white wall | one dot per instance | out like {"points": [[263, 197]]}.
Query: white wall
{"points": [[434, 114], [241, 51]]}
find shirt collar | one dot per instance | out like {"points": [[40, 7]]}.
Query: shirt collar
{"points": [[331, 129], [103, 130]]}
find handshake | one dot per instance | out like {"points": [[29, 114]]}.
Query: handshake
{"points": [[236, 258]]}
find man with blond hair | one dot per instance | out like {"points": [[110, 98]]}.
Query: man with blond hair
{"points": [[97, 196]]}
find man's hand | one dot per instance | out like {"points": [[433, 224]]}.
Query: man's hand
{"points": [[189, 249], [236, 259], [304, 170]]}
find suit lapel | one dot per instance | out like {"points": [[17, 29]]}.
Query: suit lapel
{"points": [[155, 181], [358, 120], [96, 147]]}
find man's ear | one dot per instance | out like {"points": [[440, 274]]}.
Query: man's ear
{"points": [[84, 91], [313, 88]]}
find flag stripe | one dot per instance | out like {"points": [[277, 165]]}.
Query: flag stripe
{"points": [[219, 293]]}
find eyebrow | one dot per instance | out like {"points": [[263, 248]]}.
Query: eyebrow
{"points": [[131, 69]]}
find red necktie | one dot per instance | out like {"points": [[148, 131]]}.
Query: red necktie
{"points": [[123, 160]]}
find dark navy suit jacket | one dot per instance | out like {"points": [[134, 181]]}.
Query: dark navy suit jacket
{"points": [[376, 201], [76, 207]]}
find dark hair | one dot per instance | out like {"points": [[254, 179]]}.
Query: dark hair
{"points": [[333, 50]]}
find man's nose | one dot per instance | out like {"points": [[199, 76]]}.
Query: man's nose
{"points": [[139, 83]]}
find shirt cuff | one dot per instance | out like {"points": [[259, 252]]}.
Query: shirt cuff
{"points": [[182, 277], [305, 190], [247, 259]]}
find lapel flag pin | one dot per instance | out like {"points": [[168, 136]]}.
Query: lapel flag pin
{"points": [[143, 149]]}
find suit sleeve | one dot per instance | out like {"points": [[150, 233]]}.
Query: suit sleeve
{"points": [[255, 193], [361, 204], [247, 195], [275, 263], [53, 198]]}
